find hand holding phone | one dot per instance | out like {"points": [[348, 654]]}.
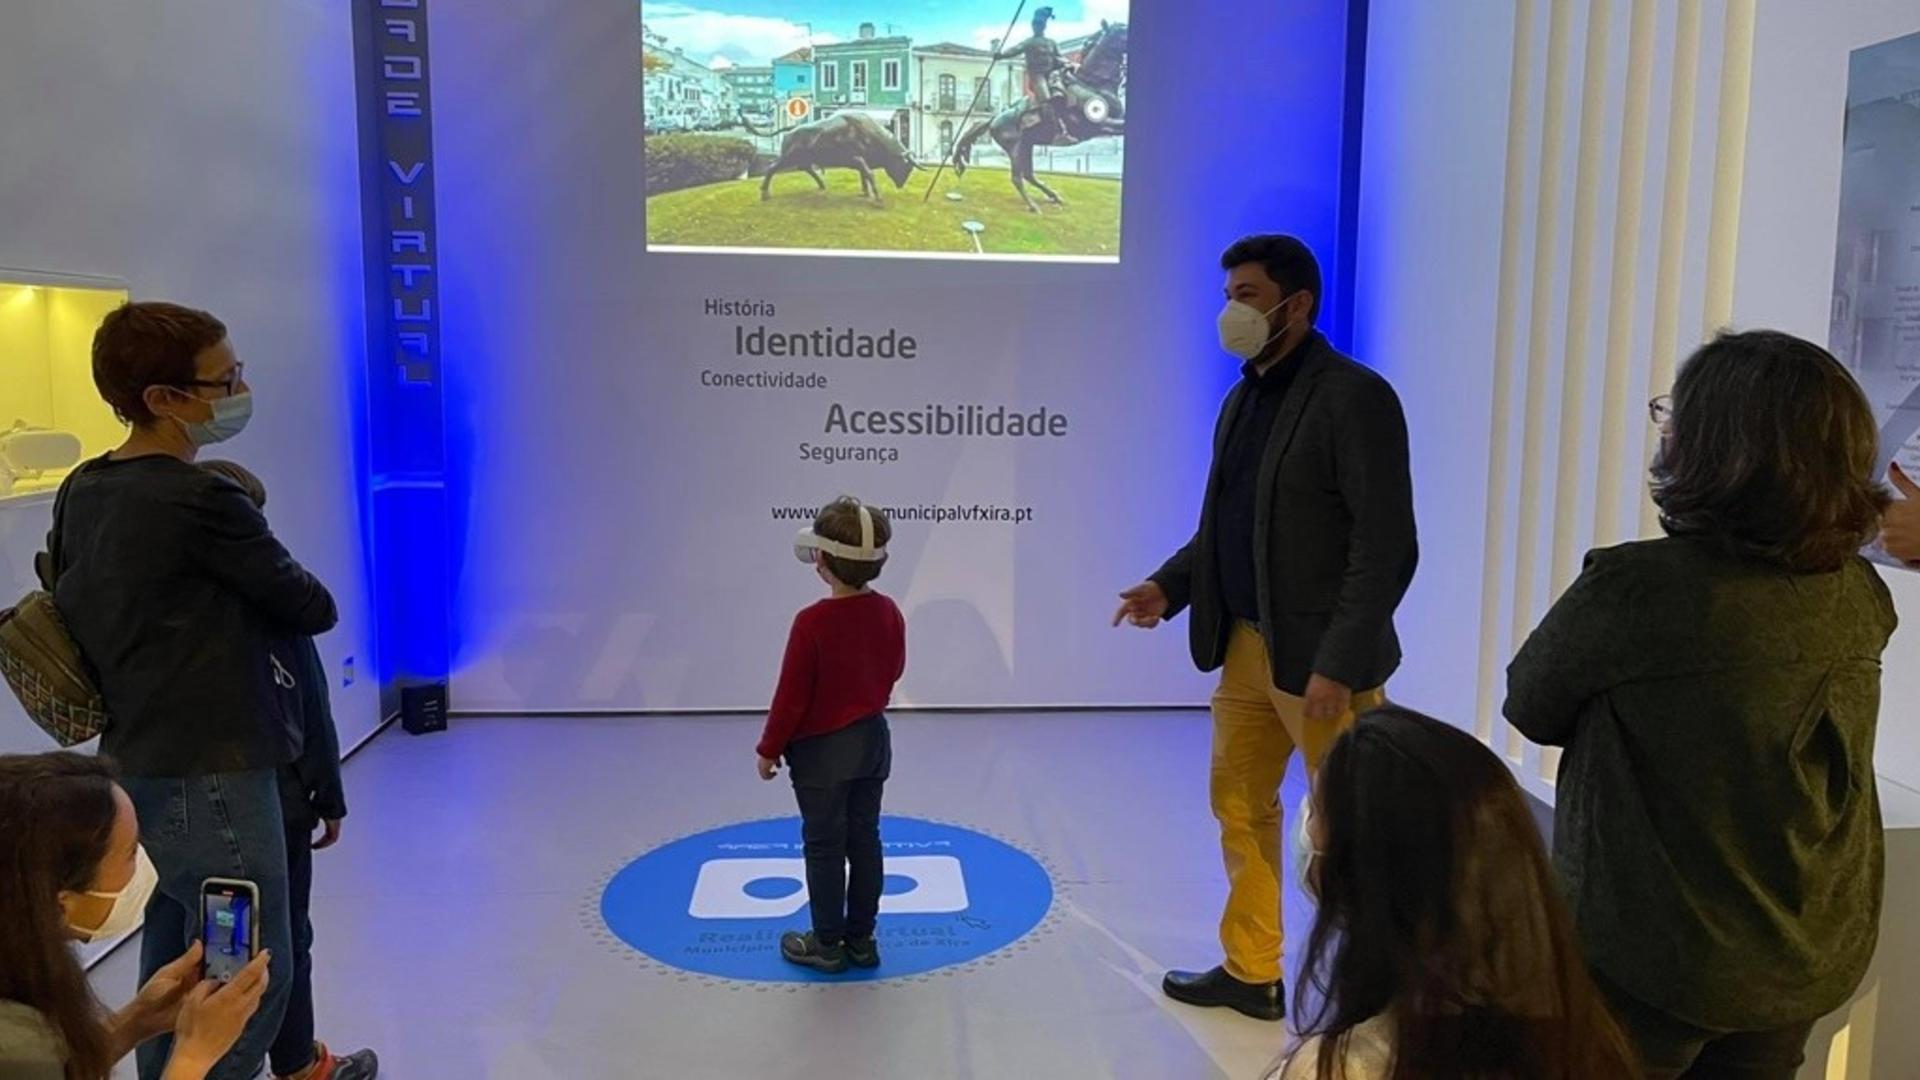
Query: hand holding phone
{"points": [[156, 1008], [229, 926], [213, 1016]]}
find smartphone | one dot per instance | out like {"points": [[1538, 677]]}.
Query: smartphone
{"points": [[229, 926]]}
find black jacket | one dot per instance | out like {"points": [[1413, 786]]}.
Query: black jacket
{"points": [[310, 787], [179, 598], [1333, 531]]}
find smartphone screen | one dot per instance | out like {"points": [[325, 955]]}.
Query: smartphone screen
{"points": [[226, 913]]}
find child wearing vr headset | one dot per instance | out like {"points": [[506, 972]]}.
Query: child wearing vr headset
{"points": [[828, 721]]}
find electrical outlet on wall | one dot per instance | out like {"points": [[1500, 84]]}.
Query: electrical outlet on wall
{"points": [[347, 673]]}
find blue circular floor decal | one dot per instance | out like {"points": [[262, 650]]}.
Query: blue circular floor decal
{"points": [[717, 902]]}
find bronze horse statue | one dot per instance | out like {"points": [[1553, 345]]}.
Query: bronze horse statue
{"points": [[1096, 108]]}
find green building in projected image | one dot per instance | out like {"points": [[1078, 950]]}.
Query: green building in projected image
{"points": [[752, 91], [868, 74]]}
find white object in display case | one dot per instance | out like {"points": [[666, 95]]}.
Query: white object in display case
{"points": [[28, 453], [47, 393]]}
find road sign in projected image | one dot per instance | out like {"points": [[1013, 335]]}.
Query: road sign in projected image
{"points": [[1876, 287], [962, 129]]}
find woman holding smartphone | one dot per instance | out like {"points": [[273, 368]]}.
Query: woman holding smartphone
{"points": [[72, 868]]}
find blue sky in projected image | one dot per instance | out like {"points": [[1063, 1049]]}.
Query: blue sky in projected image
{"points": [[753, 32]]}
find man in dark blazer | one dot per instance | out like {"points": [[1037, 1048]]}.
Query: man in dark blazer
{"points": [[1305, 548]]}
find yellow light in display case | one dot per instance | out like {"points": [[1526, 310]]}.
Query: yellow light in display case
{"points": [[51, 418]]}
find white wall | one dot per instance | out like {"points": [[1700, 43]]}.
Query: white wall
{"points": [[1480, 249], [205, 152], [1428, 267], [1534, 257], [1786, 261], [1442, 218]]}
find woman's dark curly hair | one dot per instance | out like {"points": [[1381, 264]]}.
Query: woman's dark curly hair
{"points": [[1771, 453]]}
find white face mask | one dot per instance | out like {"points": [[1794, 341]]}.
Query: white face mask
{"points": [[1244, 331], [1304, 853], [129, 904]]}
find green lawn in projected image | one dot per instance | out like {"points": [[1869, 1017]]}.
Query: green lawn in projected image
{"points": [[800, 215]]}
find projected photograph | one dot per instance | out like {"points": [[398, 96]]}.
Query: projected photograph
{"points": [[966, 129], [1875, 325]]}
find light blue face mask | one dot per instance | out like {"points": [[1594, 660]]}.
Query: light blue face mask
{"points": [[230, 416]]}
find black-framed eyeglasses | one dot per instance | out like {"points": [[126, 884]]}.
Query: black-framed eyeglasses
{"points": [[231, 384], [1660, 409]]}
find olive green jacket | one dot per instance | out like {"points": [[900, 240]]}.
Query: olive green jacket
{"points": [[1716, 826]]}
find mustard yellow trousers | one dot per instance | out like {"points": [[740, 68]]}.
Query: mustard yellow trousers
{"points": [[1256, 729]]}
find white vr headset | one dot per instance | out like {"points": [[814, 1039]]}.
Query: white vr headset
{"points": [[31, 451], [808, 545]]}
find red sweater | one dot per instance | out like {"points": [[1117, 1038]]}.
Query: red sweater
{"points": [[843, 658]]}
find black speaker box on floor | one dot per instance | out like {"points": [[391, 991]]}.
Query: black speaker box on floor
{"points": [[423, 709]]}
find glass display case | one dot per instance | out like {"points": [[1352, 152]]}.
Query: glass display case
{"points": [[51, 418]]}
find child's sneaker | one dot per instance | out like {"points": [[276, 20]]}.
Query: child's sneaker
{"points": [[863, 952], [809, 951]]}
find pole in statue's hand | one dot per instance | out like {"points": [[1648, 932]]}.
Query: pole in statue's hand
{"points": [[985, 82]]}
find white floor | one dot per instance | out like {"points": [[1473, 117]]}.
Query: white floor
{"points": [[459, 929]]}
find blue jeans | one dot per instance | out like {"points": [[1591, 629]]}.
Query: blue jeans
{"points": [[223, 825]]}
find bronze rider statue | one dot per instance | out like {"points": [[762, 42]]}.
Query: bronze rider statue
{"points": [[1046, 67]]}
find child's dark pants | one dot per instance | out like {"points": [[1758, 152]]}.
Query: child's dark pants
{"points": [[838, 779]]}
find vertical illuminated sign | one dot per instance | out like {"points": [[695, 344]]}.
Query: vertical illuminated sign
{"points": [[407, 536]]}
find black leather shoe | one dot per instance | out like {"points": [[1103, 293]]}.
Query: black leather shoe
{"points": [[1217, 989]]}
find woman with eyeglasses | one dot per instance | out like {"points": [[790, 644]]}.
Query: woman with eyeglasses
{"points": [[1717, 826], [179, 596]]}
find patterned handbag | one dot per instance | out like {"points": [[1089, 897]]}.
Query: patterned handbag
{"points": [[42, 663]]}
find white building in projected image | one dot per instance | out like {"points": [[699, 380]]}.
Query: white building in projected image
{"points": [[947, 79], [681, 93]]}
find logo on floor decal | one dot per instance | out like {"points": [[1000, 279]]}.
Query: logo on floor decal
{"points": [[726, 887], [717, 902]]}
